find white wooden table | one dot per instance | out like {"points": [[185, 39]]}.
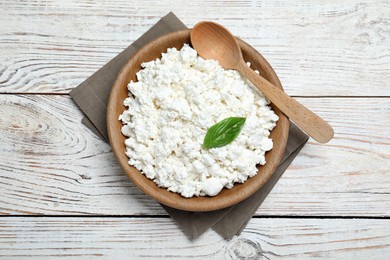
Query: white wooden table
{"points": [[62, 192]]}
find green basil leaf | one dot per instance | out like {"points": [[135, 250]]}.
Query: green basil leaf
{"points": [[224, 132]]}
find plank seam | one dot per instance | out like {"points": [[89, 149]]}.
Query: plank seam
{"points": [[167, 216], [293, 96]]}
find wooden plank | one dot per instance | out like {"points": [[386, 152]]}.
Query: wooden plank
{"points": [[51, 164], [325, 48], [119, 238], [349, 174]]}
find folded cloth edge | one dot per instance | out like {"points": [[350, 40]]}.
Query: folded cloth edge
{"points": [[233, 222], [92, 95]]}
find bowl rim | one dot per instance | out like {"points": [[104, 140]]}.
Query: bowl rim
{"points": [[174, 200]]}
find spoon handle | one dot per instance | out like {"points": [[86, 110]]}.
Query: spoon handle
{"points": [[308, 121]]}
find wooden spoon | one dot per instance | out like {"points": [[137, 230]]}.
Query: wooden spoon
{"points": [[213, 41]]}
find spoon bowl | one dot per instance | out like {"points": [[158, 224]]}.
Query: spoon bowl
{"points": [[222, 49], [213, 41]]}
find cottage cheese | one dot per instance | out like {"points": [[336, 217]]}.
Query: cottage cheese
{"points": [[170, 108]]}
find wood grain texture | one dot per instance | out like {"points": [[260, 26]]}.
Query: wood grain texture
{"points": [[113, 238], [52, 164], [318, 48]]}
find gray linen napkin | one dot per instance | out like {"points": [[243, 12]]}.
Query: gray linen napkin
{"points": [[92, 96]]}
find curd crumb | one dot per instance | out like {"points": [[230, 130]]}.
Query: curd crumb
{"points": [[212, 186]]}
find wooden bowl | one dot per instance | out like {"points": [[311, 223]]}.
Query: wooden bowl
{"points": [[227, 197]]}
